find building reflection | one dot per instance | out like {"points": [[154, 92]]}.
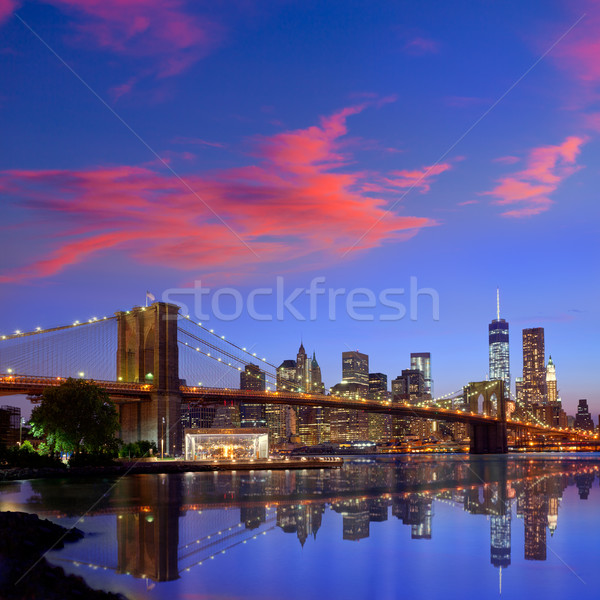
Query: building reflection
{"points": [[166, 525]]}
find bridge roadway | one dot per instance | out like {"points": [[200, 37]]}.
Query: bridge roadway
{"points": [[125, 392]]}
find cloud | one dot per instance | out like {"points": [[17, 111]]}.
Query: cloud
{"points": [[196, 142], [294, 204], [419, 178], [530, 189], [420, 45], [578, 52], [160, 36], [468, 202], [7, 8]]}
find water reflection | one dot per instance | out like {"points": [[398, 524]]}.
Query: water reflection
{"points": [[165, 526]]}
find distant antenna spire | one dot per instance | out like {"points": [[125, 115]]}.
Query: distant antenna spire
{"points": [[498, 303]]}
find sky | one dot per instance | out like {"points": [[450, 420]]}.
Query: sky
{"points": [[164, 146]]}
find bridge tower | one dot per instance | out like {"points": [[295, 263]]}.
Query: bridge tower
{"points": [[488, 438], [147, 353]]}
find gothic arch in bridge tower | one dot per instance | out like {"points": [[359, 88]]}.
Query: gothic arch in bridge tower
{"points": [[487, 398]]}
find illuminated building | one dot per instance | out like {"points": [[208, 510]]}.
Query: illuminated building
{"points": [[286, 376], [551, 386], [355, 369], [252, 415], [534, 366], [282, 419], [380, 426], [252, 378], [378, 387], [310, 424], [317, 386], [303, 370], [583, 419], [421, 361], [234, 443], [499, 360]]}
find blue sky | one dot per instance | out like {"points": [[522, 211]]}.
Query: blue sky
{"points": [[366, 143]]}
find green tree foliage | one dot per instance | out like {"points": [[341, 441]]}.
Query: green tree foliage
{"points": [[77, 416]]}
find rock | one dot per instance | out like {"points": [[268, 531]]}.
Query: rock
{"points": [[25, 573]]}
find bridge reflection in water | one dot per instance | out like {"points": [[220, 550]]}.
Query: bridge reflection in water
{"points": [[162, 527]]}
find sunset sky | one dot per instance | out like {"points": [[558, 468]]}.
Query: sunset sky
{"points": [[152, 144]]}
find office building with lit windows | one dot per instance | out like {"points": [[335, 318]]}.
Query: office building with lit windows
{"points": [[534, 366], [355, 368], [499, 357], [421, 361]]}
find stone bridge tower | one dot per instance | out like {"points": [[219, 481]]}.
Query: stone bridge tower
{"points": [[147, 353], [488, 438]]}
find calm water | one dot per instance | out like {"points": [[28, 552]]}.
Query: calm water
{"points": [[413, 527]]}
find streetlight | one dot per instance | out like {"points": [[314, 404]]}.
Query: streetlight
{"points": [[162, 440], [21, 430]]}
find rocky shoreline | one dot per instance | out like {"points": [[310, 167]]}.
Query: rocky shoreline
{"points": [[137, 468], [26, 574]]}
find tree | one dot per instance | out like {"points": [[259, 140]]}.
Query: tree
{"points": [[76, 416]]}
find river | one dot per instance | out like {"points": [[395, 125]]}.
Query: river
{"points": [[452, 526]]}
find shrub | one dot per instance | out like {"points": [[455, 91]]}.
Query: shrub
{"points": [[140, 449], [83, 459], [27, 457]]}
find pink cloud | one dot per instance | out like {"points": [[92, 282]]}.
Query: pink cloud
{"points": [[530, 189], [197, 142], [420, 45], [468, 202], [578, 52], [294, 203], [7, 8], [163, 35], [419, 178]]}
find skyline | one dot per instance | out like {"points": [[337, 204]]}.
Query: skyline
{"points": [[301, 147]]}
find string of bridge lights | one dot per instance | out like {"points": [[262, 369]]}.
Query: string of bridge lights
{"points": [[18, 333], [217, 359], [222, 337], [219, 350]]}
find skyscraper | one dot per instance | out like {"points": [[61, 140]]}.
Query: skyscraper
{"points": [[551, 386], [498, 348], [378, 386], [534, 366], [355, 368], [286, 376], [583, 419], [317, 386], [252, 415], [252, 378], [303, 370], [421, 361]]}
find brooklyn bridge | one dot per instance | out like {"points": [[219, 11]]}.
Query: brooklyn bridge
{"points": [[152, 359]]}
